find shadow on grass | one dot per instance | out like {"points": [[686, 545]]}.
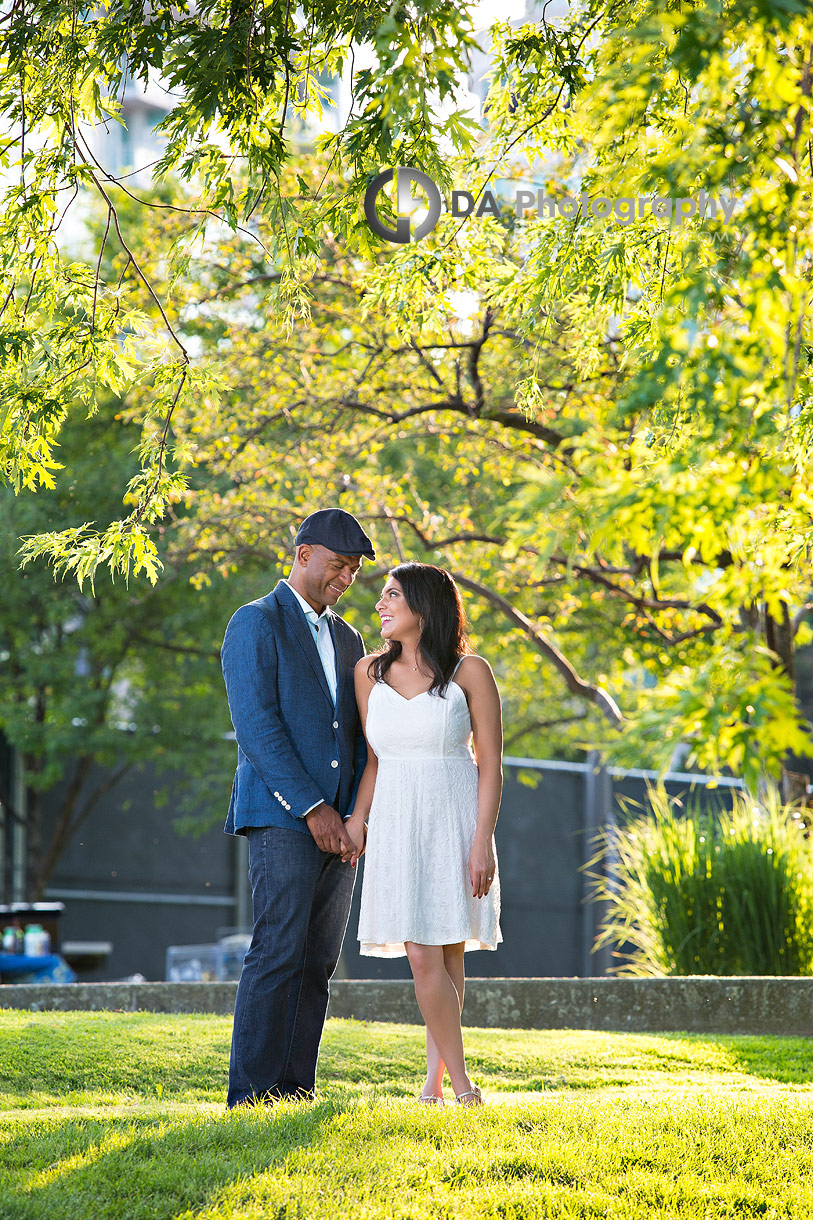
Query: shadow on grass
{"points": [[146, 1168], [788, 1060], [785, 1059]]}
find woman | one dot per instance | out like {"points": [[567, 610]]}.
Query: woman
{"points": [[430, 887]]}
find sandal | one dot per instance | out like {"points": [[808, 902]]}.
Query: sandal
{"points": [[430, 1099], [474, 1093]]}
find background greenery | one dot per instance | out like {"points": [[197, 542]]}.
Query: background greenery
{"points": [[603, 429], [95, 681], [705, 890]]}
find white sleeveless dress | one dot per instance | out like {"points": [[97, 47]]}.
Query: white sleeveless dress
{"points": [[421, 826]]}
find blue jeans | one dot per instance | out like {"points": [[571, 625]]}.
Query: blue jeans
{"points": [[301, 901]]}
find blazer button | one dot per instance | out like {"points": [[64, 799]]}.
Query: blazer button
{"points": [[335, 724], [334, 763]]}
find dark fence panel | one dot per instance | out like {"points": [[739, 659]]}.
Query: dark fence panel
{"points": [[131, 878]]}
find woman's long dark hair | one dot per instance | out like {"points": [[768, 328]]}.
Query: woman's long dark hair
{"points": [[432, 593]]}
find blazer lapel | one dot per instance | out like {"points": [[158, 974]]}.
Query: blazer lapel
{"points": [[304, 636], [343, 660]]}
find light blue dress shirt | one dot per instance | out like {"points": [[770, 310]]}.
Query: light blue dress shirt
{"points": [[324, 644], [324, 641]]}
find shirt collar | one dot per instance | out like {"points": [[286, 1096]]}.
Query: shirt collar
{"points": [[307, 608]]}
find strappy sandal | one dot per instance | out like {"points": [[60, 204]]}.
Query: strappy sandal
{"points": [[474, 1093], [430, 1100]]}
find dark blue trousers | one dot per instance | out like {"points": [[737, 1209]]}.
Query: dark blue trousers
{"points": [[301, 903]]}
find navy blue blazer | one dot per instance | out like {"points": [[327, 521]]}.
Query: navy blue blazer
{"points": [[293, 748]]}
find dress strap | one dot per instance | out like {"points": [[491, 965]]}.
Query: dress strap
{"points": [[457, 666]]}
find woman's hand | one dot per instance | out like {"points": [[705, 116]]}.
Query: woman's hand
{"points": [[482, 866], [356, 831]]}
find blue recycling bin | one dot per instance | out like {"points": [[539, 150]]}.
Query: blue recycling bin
{"points": [[48, 968]]}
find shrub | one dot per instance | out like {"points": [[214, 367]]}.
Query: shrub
{"points": [[708, 890]]}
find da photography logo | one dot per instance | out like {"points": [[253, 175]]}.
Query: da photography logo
{"points": [[622, 211], [403, 233]]}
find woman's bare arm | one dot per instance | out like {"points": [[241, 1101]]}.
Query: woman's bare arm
{"points": [[355, 824], [477, 680]]}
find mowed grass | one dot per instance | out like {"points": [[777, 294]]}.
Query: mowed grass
{"points": [[121, 1115]]}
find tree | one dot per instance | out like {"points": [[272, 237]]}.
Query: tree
{"points": [[240, 69], [422, 436], [549, 523], [633, 389], [95, 683]]}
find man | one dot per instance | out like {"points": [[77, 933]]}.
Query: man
{"points": [[288, 664]]}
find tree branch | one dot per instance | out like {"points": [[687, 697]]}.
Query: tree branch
{"points": [[575, 684], [212, 653], [540, 724], [454, 402], [643, 603]]}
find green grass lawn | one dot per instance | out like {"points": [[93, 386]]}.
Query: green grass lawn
{"points": [[121, 1115]]}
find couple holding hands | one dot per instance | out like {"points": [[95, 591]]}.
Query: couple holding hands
{"points": [[394, 755]]}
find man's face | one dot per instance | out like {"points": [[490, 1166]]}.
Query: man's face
{"points": [[325, 574]]}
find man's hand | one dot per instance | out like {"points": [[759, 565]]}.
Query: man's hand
{"points": [[329, 833]]}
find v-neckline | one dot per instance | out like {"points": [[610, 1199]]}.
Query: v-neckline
{"points": [[411, 698], [406, 698]]}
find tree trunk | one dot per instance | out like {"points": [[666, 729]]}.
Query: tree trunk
{"points": [[33, 843], [46, 860], [71, 816], [779, 637]]}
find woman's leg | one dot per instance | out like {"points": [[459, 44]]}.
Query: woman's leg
{"points": [[453, 961], [439, 1002]]}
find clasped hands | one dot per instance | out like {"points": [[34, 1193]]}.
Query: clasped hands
{"points": [[348, 840], [332, 834]]}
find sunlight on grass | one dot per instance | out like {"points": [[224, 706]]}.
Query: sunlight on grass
{"points": [[120, 1116], [80, 1160]]}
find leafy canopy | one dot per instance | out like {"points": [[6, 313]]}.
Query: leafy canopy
{"points": [[239, 70], [602, 423]]}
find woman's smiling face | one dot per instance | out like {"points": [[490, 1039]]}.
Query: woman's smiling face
{"points": [[397, 620]]}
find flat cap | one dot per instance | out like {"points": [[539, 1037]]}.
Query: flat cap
{"points": [[337, 530]]}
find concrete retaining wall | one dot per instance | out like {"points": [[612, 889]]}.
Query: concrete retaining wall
{"points": [[699, 1004]]}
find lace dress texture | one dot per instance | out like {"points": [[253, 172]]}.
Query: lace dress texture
{"points": [[421, 827]]}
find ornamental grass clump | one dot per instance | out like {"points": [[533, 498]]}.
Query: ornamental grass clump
{"points": [[708, 890]]}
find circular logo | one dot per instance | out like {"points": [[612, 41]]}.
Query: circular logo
{"points": [[402, 233]]}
